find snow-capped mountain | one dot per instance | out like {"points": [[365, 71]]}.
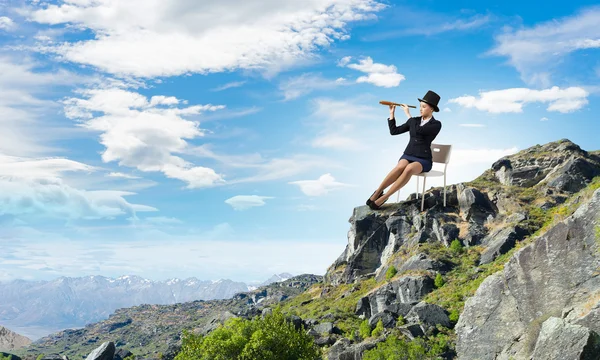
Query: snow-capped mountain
{"points": [[38, 307]]}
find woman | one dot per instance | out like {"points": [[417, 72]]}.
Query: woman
{"points": [[417, 156]]}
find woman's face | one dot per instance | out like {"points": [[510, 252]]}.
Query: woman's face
{"points": [[426, 110]]}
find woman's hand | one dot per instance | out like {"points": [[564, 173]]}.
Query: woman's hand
{"points": [[406, 110], [392, 109]]}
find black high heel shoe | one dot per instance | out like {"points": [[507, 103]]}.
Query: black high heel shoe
{"points": [[374, 206], [369, 201]]}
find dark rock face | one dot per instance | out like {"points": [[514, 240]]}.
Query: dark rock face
{"points": [[555, 276], [387, 319], [500, 242], [396, 297]]}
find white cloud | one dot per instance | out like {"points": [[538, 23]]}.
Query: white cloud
{"points": [[512, 100], [229, 85], [447, 109], [197, 256], [335, 141], [378, 74], [460, 157], [471, 125], [139, 134], [6, 23], [343, 110], [437, 23], [35, 187], [544, 119], [244, 202], [27, 116], [201, 37], [304, 84], [322, 186], [534, 51], [265, 169], [163, 100], [339, 122], [121, 175]]}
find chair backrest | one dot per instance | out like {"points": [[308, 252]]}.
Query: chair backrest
{"points": [[441, 153]]}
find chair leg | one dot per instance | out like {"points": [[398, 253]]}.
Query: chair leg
{"points": [[423, 195], [444, 189], [417, 187]]}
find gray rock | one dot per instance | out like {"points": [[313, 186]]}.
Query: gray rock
{"points": [[396, 297], [570, 341], [422, 261], [555, 275], [324, 328], [344, 350], [574, 175], [297, 321], [474, 204], [106, 351], [122, 353], [215, 321], [500, 242], [388, 320], [428, 315], [412, 330], [325, 340], [314, 333]]}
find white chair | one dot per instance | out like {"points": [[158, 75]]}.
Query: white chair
{"points": [[440, 154]]}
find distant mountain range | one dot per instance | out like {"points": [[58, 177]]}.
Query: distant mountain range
{"points": [[37, 308]]}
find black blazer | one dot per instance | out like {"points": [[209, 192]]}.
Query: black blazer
{"points": [[421, 137]]}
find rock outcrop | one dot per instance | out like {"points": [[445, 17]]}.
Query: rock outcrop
{"points": [[494, 211], [546, 301], [10, 340]]}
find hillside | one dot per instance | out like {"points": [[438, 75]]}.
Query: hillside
{"points": [[152, 329], [507, 269], [10, 340]]}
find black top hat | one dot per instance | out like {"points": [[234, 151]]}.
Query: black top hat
{"points": [[432, 99]]}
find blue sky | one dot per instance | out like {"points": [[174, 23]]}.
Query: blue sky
{"points": [[233, 139]]}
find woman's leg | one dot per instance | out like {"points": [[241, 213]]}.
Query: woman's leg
{"points": [[391, 177], [411, 169]]}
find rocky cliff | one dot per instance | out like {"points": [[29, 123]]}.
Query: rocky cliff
{"points": [[521, 212]]}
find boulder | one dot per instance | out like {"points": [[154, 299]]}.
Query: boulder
{"points": [[559, 339], [106, 351]]}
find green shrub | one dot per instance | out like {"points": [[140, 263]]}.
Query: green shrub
{"points": [[378, 331], [454, 315], [270, 338], [418, 349], [439, 281], [396, 349], [400, 320], [391, 272], [456, 246], [365, 329]]}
